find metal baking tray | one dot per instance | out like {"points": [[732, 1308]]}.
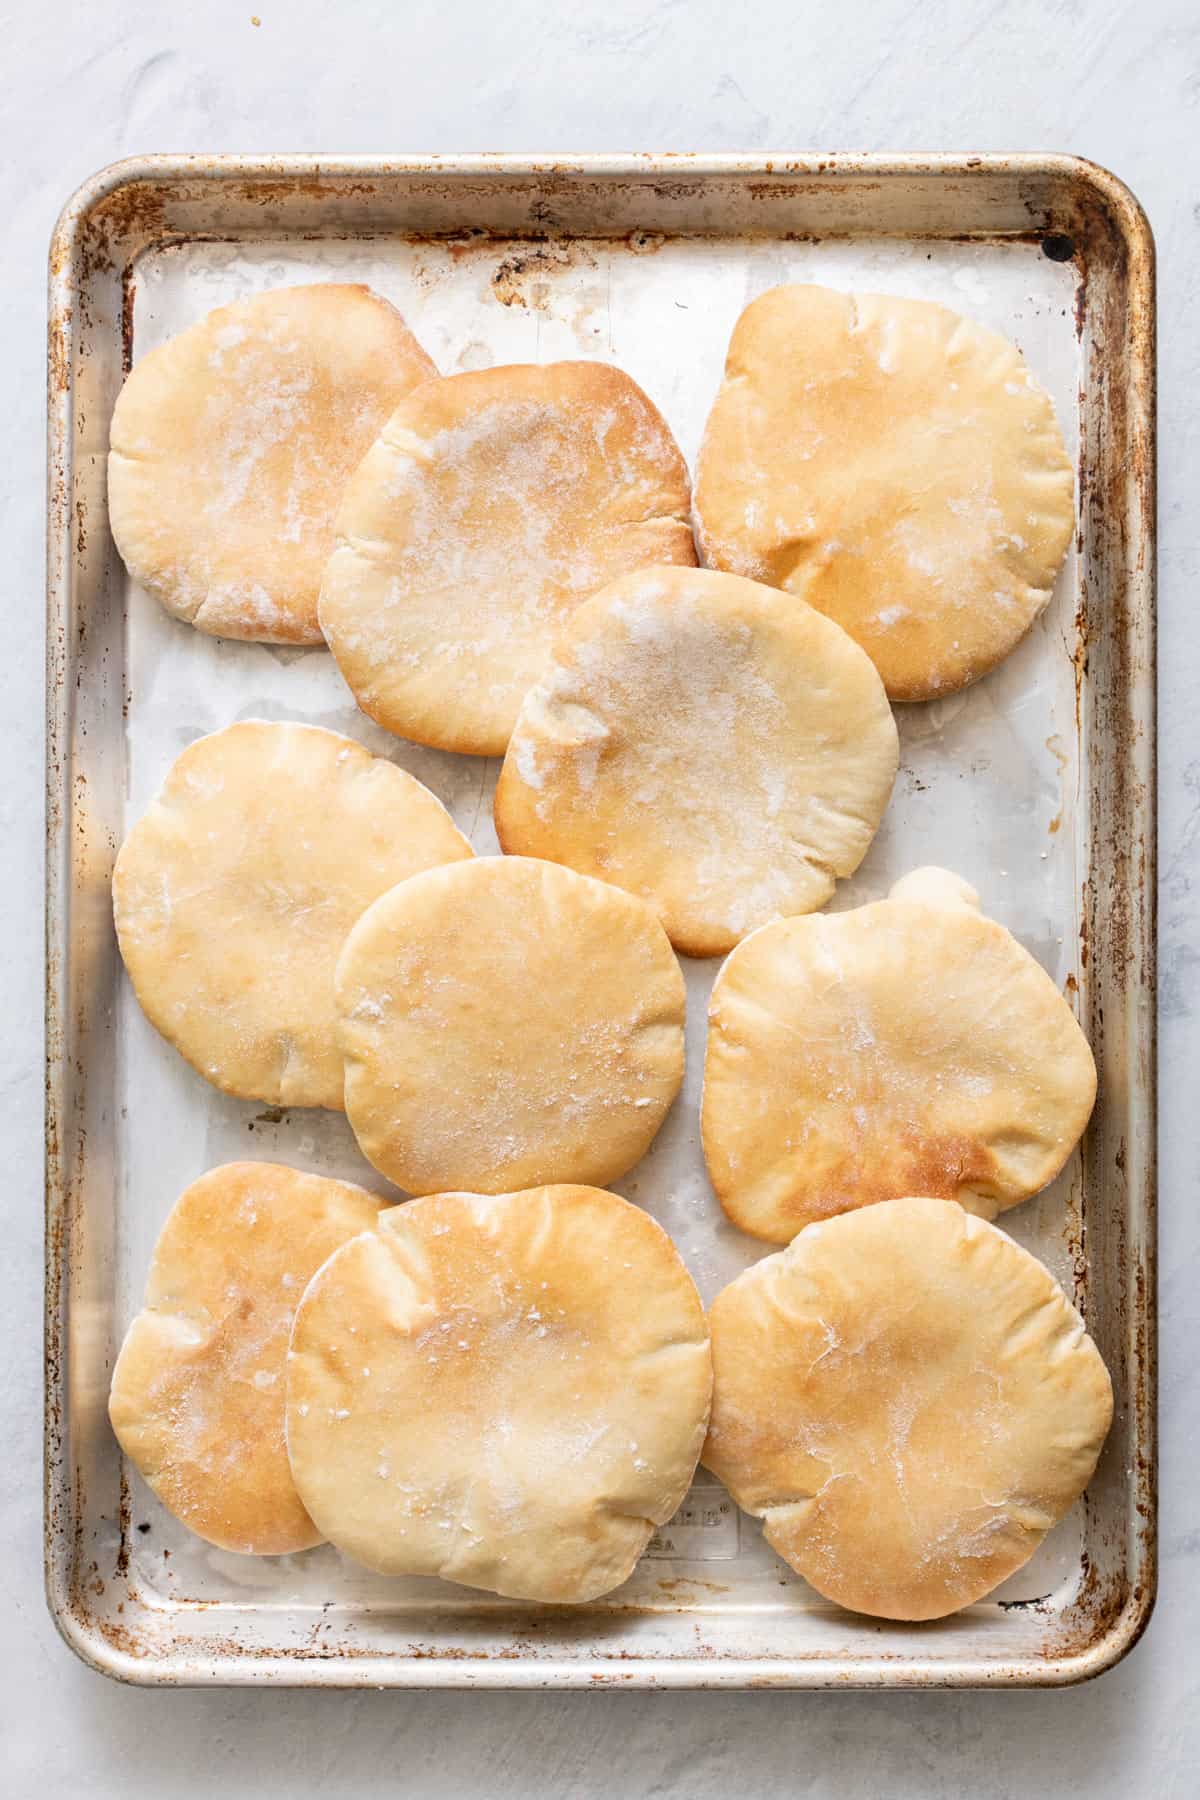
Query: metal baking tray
{"points": [[1037, 784]]}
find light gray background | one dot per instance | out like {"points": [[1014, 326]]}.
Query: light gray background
{"points": [[84, 84]]}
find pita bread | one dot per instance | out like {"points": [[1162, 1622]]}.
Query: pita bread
{"points": [[508, 1022], [908, 1401], [895, 465], [707, 743], [197, 1398], [492, 505], [231, 444], [509, 1392], [234, 894], [909, 1044]]}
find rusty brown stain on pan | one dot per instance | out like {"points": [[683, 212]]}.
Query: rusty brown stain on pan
{"points": [[127, 299], [280, 192], [519, 279], [133, 209], [1095, 1611], [124, 1525], [671, 1584], [59, 353]]}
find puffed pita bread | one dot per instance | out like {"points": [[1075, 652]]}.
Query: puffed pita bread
{"points": [[908, 1401], [493, 503], [197, 1398], [231, 444], [234, 893], [897, 466], [504, 1023], [509, 1391], [908, 1045], [706, 742]]}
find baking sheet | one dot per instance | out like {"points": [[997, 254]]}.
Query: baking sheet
{"points": [[996, 782], [987, 786]]}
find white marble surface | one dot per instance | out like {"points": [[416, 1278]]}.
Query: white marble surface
{"points": [[82, 85]]}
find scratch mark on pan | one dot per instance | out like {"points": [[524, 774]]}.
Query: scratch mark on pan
{"points": [[478, 800]]}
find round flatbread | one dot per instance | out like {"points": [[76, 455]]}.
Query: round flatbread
{"points": [[505, 1023], [231, 444], [197, 1398], [509, 1392], [907, 1045], [491, 506], [707, 743], [895, 465], [908, 1401], [234, 894]]}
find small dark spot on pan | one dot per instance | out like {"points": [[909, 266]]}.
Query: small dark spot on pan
{"points": [[144, 1526], [1058, 247]]}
